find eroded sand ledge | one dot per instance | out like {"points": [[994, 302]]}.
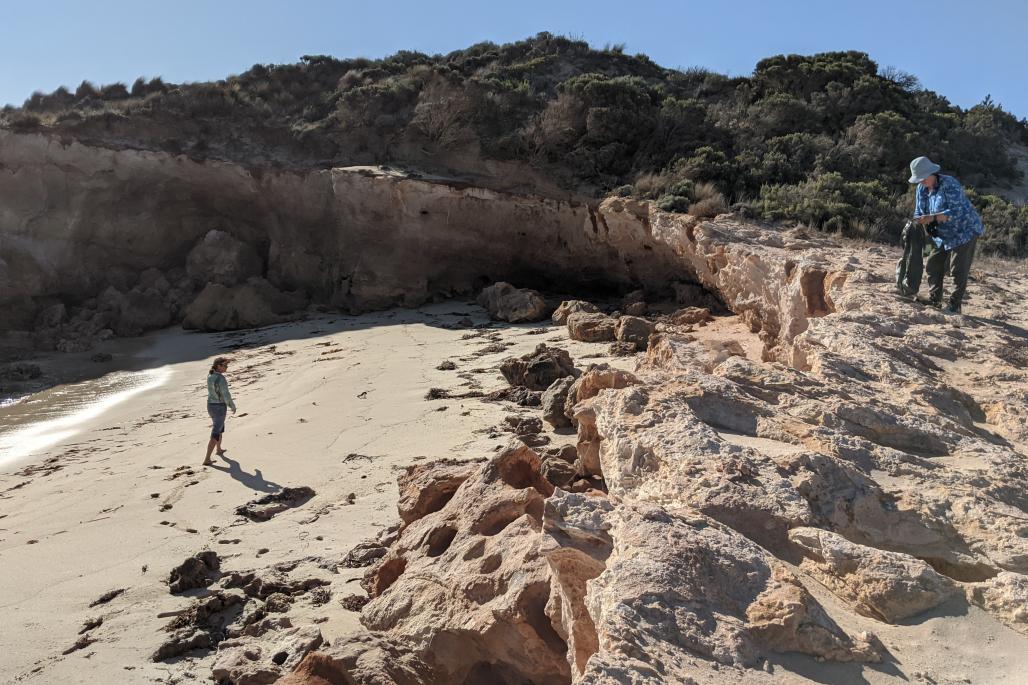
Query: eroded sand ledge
{"points": [[821, 509]]}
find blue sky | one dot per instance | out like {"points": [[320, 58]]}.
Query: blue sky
{"points": [[963, 50]]}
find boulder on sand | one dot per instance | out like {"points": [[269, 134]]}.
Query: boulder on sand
{"points": [[507, 303], [538, 370], [591, 327], [569, 307], [633, 329]]}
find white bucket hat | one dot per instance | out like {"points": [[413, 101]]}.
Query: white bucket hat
{"points": [[921, 168]]}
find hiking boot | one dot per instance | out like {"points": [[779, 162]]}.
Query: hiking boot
{"points": [[952, 309]]}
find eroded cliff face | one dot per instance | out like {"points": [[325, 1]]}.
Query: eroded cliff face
{"points": [[126, 240], [76, 220]]}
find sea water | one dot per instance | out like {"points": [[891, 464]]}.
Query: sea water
{"points": [[33, 423]]}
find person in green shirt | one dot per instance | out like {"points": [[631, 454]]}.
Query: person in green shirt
{"points": [[219, 401]]}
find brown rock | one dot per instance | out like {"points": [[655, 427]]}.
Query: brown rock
{"points": [[636, 309], [197, 571], [569, 307], [539, 369], [464, 589], [635, 330], [507, 303], [690, 316], [591, 327], [559, 472], [622, 349], [553, 401]]}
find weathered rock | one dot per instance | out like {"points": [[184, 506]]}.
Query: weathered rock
{"points": [[636, 309], [885, 585], [471, 579], [690, 316], [519, 395], [674, 353], [553, 401], [364, 554], [140, 311], [622, 349], [1005, 596], [265, 659], [507, 303], [702, 590], [266, 507], [522, 425], [202, 625], [278, 603], [591, 327], [569, 307], [539, 369], [580, 525], [427, 488], [199, 570], [252, 304], [223, 259], [558, 472], [635, 330], [597, 377]]}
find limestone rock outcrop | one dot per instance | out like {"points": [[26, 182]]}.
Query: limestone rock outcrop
{"points": [[885, 585]]}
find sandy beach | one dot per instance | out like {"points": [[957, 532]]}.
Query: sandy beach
{"points": [[336, 403]]}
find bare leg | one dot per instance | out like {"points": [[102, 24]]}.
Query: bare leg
{"points": [[221, 452], [211, 444]]}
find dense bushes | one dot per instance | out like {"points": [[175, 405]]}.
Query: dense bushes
{"points": [[823, 139]]}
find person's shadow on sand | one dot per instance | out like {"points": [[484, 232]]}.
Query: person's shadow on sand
{"points": [[254, 481]]}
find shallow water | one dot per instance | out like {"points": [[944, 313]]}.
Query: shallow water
{"points": [[38, 421]]}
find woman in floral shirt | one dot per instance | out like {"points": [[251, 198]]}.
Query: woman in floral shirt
{"points": [[953, 225]]}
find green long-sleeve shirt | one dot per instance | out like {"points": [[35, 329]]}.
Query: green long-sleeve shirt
{"points": [[217, 391]]}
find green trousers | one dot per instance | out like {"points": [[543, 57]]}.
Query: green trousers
{"points": [[956, 261]]}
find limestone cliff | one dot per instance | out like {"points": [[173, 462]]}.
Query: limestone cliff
{"points": [[76, 220]]}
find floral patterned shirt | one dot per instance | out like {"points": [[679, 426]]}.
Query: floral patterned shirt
{"points": [[948, 198]]}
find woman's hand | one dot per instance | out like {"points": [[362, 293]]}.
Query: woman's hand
{"points": [[941, 218], [924, 220]]}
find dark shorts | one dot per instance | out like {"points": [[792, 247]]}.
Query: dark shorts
{"points": [[217, 413]]}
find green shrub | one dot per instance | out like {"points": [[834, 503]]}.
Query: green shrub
{"points": [[674, 203]]}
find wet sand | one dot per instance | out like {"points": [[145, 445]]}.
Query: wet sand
{"points": [[119, 497]]}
